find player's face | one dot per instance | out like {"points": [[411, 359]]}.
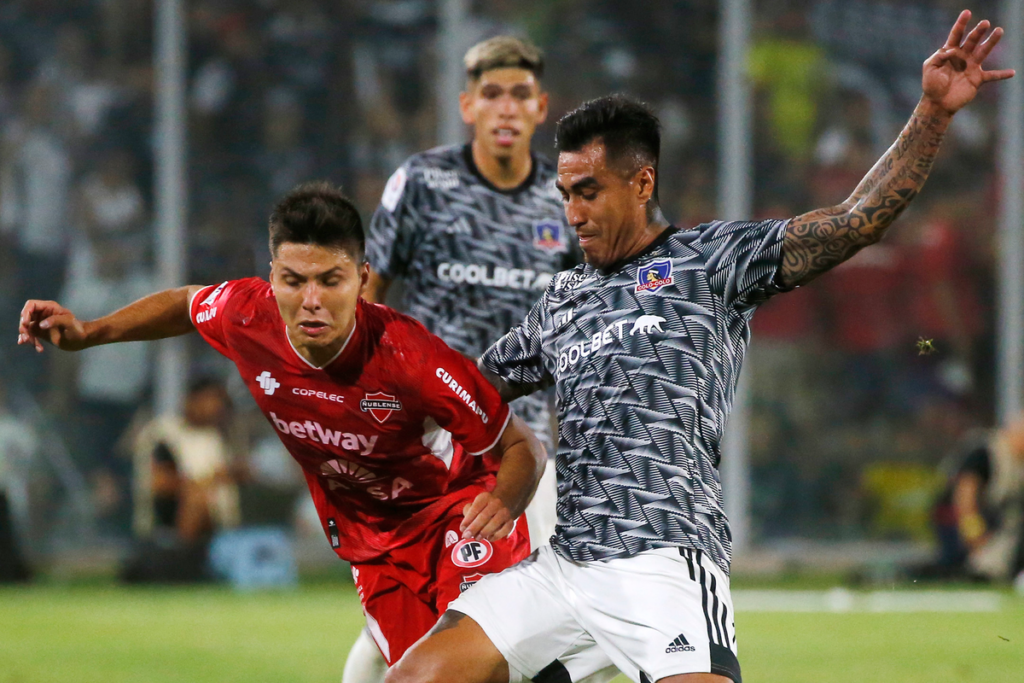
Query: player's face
{"points": [[317, 289], [504, 106], [606, 207]]}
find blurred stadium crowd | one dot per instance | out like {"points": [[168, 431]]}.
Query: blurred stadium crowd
{"points": [[851, 426]]}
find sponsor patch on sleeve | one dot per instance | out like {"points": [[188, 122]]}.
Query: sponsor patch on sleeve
{"points": [[394, 189], [212, 298], [208, 306]]}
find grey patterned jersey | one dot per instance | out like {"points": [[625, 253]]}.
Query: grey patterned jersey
{"points": [[645, 358], [474, 258]]}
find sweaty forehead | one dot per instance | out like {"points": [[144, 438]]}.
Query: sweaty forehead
{"points": [[590, 161], [312, 259]]}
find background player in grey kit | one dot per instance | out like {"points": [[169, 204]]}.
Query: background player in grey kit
{"points": [[644, 345], [476, 232]]}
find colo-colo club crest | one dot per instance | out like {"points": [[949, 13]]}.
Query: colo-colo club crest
{"points": [[654, 276], [547, 235], [380, 405]]}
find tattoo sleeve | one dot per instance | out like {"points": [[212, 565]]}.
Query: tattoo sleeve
{"points": [[822, 239]]}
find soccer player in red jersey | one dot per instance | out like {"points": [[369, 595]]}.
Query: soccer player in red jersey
{"points": [[419, 471]]}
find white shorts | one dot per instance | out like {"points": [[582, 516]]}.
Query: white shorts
{"points": [[540, 513], [660, 613]]}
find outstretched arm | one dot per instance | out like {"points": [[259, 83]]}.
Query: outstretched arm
{"points": [[492, 515], [157, 316], [820, 240]]}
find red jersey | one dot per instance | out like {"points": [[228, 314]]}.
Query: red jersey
{"points": [[386, 432]]}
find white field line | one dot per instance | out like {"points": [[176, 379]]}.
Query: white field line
{"points": [[843, 600]]}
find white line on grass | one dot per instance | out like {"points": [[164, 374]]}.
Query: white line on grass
{"points": [[843, 600]]}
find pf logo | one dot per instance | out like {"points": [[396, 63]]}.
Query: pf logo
{"points": [[471, 553], [380, 405]]}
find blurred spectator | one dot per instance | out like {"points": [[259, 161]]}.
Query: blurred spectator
{"points": [[35, 183], [182, 475], [865, 296], [17, 446], [105, 275], [791, 68], [83, 96], [273, 485], [7, 88], [283, 159], [943, 304], [110, 203], [184, 489], [980, 518], [785, 352]]}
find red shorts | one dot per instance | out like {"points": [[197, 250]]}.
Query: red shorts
{"points": [[405, 593]]}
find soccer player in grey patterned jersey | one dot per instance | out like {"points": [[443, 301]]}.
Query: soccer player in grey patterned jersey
{"points": [[476, 233], [644, 345]]}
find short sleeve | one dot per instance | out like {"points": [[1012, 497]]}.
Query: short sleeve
{"points": [[518, 356], [207, 310], [743, 259], [461, 401], [392, 234]]}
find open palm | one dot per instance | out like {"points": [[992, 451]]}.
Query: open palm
{"points": [[952, 75]]}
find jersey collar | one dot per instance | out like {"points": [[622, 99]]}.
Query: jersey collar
{"points": [[658, 241], [348, 339], [467, 157]]}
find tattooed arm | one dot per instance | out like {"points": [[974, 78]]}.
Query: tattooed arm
{"points": [[822, 239]]}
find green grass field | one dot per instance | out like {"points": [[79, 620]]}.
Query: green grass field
{"points": [[105, 634]]}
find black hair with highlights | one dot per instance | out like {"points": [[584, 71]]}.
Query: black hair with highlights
{"points": [[317, 213]]}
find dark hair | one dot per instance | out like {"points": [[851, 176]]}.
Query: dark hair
{"points": [[317, 213], [629, 130]]}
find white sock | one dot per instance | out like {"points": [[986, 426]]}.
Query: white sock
{"points": [[365, 664]]}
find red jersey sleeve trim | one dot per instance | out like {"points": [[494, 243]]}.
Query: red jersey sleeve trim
{"points": [[504, 426]]}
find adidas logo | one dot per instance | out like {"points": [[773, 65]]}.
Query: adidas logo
{"points": [[680, 644]]}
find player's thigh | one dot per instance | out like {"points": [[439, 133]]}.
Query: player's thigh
{"points": [[541, 512], [463, 562], [524, 613], [660, 614], [396, 616]]}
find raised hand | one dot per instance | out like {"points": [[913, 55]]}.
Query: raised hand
{"points": [[951, 77], [49, 321]]}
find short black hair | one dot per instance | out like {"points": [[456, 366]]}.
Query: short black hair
{"points": [[317, 213], [629, 130]]}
